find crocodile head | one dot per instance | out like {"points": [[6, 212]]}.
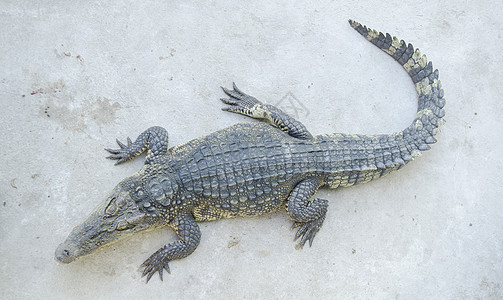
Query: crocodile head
{"points": [[118, 216]]}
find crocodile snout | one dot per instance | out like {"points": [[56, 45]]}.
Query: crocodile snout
{"points": [[64, 254]]}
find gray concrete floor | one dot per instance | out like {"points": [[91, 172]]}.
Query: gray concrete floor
{"points": [[74, 76]]}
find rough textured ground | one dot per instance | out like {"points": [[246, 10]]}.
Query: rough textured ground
{"points": [[76, 75]]}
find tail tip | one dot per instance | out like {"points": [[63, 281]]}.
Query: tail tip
{"points": [[353, 23]]}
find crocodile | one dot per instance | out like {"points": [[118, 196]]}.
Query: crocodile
{"points": [[252, 169]]}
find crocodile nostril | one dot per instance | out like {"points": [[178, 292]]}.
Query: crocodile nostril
{"points": [[64, 254]]}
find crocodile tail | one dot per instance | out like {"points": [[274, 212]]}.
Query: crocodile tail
{"points": [[420, 134]]}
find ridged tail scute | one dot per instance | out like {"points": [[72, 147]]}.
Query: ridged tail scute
{"points": [[420, 134]]}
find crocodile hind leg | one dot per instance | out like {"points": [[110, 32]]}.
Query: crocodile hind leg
{"points": [[307, 212], [247, 105], [154, 139], [189, 236]]}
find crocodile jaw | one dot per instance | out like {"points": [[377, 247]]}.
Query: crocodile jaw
{"points": [[117, 217], [85, 238]]}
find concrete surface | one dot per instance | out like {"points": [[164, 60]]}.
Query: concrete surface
{"points": [[76, 75]]}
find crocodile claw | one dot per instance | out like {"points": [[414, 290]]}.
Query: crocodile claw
{"points": [[122, 154], [239, 101], [153, 265], [120, 144], [307, 231]]}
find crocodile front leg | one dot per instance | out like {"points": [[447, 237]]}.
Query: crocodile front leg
{"points": [[189, 236], [307, 213], [154, 139], [247, 105]]}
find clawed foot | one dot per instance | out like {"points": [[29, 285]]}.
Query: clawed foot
{"points": [[152, 265], [307, 231], [123, 154], [247, 105], [240, 102]]}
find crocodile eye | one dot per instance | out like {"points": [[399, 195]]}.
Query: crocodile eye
{"points": [[111, 208], [135, 219], [121, 199], [122, 224]]}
